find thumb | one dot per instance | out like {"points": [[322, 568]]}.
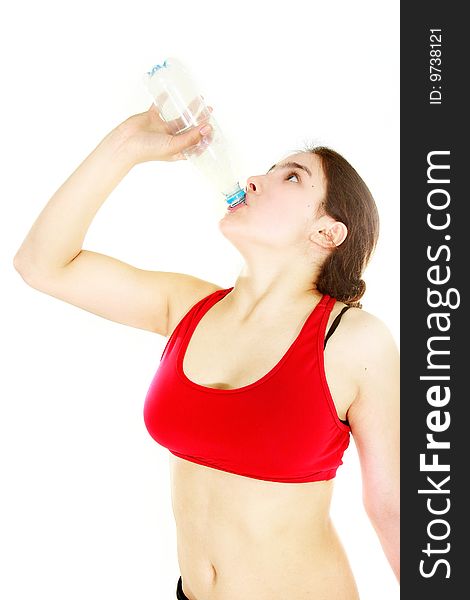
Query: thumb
{"points": [[190, 137]]}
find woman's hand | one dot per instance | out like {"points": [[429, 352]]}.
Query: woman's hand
{"points": [[148, 137]]}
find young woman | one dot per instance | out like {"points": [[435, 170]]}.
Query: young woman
{"points": [[255, 397]]}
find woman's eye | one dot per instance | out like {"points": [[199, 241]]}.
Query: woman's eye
{"points": [[293, 175]]}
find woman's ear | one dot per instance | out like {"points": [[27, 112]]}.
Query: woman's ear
{"points": [[330, 236]]}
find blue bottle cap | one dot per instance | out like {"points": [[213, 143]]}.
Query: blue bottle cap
{"points": [[236, 197]]}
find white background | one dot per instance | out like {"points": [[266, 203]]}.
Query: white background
{"points": [[85, 502]]}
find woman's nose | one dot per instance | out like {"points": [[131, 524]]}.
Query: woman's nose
{"points": [[251, 185]]}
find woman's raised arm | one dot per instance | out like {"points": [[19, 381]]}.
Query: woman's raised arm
{"points": [[52, 260]]}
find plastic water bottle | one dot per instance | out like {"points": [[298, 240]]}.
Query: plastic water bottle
{"points": [[181, 105]]}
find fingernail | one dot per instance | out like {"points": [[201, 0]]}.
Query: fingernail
{"points": [[204, 130]]}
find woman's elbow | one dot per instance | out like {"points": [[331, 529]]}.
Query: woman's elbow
{"points": [[386, 510], [380, 506]]}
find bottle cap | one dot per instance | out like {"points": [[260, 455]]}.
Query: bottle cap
{"points": [[235, 197]]}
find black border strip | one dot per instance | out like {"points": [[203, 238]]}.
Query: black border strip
{"points": [[433, 127]]}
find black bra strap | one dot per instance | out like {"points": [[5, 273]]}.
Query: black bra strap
{"points": [[334, 325]]}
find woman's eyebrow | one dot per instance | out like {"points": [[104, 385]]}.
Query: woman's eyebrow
{"points": [[291, 165]]}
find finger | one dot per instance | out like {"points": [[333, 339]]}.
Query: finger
{"points": [[180, 142], [153, 107], [208, 107]]}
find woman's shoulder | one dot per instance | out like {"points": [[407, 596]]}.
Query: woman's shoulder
{"points": [[363, 323], [367, 336]]}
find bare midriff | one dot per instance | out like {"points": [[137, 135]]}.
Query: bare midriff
{"points": [[245, 538]]}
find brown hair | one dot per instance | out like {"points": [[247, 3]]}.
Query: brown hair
{"points": [[348, 200]]}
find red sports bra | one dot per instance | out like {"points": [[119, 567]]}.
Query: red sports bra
{"points": [[283, 427]]}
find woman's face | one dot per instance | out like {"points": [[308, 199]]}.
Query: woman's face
{"points": [[281, 206]]}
